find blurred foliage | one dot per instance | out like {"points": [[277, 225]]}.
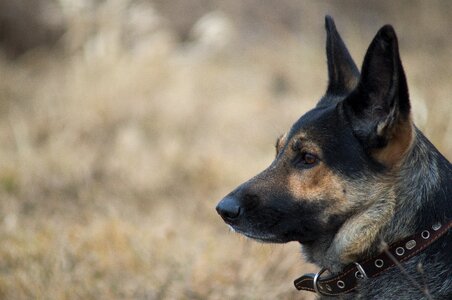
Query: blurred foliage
{"points": [[123, 122]]}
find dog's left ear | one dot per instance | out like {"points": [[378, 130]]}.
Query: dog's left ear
{"points": [[343, 75], [379, 108]]}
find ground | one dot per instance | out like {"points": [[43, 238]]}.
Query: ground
{"points": [[116, 145]]}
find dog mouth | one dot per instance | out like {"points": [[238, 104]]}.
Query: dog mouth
{"points": [[273, 238], [266, 226], [260, 237], [266, 237]]}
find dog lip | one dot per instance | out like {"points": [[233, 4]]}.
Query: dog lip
{"points": [[259, 237], [267, 240], [305, 240], [304, 235], [295, 236]]}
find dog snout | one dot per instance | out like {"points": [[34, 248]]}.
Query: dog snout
{"points": [[229, 209]]}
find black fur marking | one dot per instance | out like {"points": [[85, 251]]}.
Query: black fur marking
{"points": [[382, 93], [342, 71]]}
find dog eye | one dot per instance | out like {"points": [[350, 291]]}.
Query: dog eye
{"points": [[307, 160]]}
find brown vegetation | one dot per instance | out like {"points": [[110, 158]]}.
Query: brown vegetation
{"points": [[117, 145]]}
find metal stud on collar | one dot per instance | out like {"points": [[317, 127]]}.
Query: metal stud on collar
{"points": [[410, 244], [436, 226]]}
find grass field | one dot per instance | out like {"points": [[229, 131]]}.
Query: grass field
{"points": [[116, 147]]}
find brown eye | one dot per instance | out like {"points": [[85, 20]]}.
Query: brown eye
{"points": [[309, 159], [306, 160]]}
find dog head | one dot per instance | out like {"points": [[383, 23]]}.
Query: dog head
{"points": [[330, 166]]}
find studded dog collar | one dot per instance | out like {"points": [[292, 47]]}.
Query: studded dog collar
{"points": [[347, 281]]}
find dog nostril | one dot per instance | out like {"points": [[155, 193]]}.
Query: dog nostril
{"points": [[229, 208]]}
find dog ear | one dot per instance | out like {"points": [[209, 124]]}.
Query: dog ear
{"points": [[343, 75], [379, 108]]}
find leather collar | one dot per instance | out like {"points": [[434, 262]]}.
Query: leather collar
{"points": [[347, 281]]}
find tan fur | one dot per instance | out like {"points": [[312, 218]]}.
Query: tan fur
{"points": [[317, 183], [351, 83], [320, 182], [399, 143], [360, 231]]}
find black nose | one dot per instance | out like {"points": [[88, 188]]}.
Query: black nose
{"points": [[229, 208]]}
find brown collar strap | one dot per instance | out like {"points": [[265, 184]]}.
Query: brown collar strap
{"points": [[347, 280]]}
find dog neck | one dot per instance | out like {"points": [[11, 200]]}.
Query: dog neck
{"points": [[421, 195], [419, 199]]}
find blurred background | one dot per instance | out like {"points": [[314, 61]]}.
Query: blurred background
{"points": [[122, 123]]}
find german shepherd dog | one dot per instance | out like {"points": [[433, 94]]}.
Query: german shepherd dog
{"points": [[352, 173]]}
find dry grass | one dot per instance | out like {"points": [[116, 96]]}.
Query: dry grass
{"points": [[115, 151]]}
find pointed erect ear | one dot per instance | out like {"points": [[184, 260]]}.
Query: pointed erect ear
{"points": [[379, 108], [343, 74]]}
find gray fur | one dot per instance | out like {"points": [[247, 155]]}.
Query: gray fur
{"points": [[413, 190]]}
